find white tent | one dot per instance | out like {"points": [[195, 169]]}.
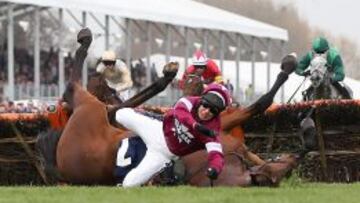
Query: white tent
{"points": [[186, 13], [176, 16]]}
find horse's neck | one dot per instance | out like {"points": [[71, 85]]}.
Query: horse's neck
{"points": [[81, 96], [193, 86], [234, 173], [324, 90]]}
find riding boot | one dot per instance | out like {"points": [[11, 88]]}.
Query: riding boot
{"points": [[345, 93], [168, 176], [342, 90]]}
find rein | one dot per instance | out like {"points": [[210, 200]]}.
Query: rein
{"points": [[297, 89], [267, 176]]}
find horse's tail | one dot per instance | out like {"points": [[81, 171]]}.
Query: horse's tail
{"points": [[46, 144]]}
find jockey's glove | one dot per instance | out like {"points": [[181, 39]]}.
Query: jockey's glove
{"points": [[212, 173], [306, 73], [204, 130]]}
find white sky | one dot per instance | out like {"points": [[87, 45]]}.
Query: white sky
{"points": [[340, 17]]}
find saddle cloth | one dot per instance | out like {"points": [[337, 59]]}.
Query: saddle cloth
{"points": [[130, 153]]}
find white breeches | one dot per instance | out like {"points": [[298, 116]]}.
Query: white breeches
{"points": [[157, 154]]}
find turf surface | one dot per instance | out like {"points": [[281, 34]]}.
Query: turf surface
{"points": [[304, 192]]}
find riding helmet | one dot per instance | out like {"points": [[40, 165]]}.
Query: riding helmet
{"points": [[108, 56], [199, 58], [320, 45], [217, 95]]}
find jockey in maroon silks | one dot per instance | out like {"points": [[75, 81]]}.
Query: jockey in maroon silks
{"points": [[204, 67], [192, 124]]}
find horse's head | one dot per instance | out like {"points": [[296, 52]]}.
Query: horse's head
{"points": [[318, 70], [271, 173], [98, 87], [320, 77], [193, 85], [96, 83], [234, 172]]}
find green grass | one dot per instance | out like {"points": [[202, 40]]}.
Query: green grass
{"points": [[288, 192]]}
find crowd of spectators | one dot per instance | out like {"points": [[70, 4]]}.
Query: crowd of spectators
{"points": [[25, 106], [24, 66], [138, 74], [24, 74]]}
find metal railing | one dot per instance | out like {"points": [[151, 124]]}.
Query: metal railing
{"points": [[51, 93], [27, 91]]}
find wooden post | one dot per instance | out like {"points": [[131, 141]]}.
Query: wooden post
{"points": [[320, 137], [271, 138]]}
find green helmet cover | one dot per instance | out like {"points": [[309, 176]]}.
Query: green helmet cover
{"points": [[320, 45]]}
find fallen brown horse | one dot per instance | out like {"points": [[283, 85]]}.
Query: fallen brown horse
{"points": [[237, 173], [86, 150]]}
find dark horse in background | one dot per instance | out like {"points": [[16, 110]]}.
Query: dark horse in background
{"points": [[98, 87], [86, 150]]}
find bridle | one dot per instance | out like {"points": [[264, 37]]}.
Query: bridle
{"points": [[268, 177]]}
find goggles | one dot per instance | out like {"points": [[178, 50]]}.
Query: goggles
{"points": [[212, 108], [108, 63], [200, 67]]}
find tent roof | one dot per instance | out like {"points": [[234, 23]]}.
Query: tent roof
{"points": [[177, 12]]}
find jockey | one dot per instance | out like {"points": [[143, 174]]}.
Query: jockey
{"points": [[192, 124], [116, 74], [320, 46], [204, 67]]}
